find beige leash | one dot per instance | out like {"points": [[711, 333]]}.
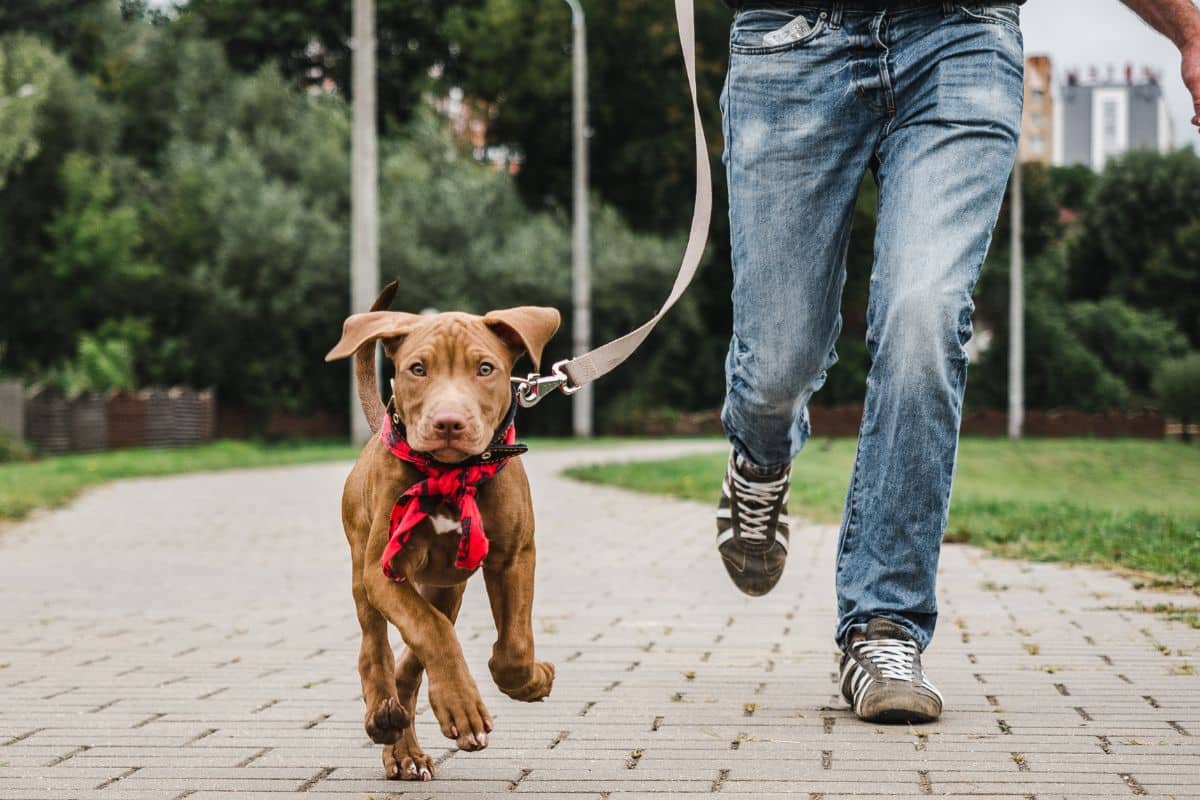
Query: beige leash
{"points": [[571, 374]]}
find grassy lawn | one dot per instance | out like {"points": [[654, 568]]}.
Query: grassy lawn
{"points": [[1125, 503], [54, 481]]}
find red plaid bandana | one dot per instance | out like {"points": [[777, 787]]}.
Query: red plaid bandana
{"points": [[449, 484]]}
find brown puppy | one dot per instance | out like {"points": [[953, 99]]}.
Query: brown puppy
{"points": [[452, 392]]}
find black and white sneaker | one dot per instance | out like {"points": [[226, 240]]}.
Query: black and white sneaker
{"points": [[752, 527], [882, 679]]}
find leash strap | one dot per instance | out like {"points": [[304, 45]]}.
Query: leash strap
{"points": [[573, 373]]}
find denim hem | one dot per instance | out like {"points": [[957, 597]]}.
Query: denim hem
{"points": [[847, 627], [740, 449]]}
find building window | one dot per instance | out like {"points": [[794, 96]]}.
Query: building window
{"points": [[1108, 113]]}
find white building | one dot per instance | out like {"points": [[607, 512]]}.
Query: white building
{"points": [[1098, 118]]}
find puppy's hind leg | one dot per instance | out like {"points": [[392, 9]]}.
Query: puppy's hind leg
{"points": [[405, 760], [386, 718]]}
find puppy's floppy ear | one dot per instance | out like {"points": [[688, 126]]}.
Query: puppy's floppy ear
{"points": [[361, 329], [527, 328]]}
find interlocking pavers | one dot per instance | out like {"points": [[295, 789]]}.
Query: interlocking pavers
{"points": [[194, 637]]}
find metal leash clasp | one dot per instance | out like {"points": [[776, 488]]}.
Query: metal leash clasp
{"points": [[534, 387]]}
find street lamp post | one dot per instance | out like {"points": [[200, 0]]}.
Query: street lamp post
{"points": [[1016, 311], [364, 189], [581, 289]]}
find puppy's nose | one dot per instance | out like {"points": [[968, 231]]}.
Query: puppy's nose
{"points": [[450, 424]]}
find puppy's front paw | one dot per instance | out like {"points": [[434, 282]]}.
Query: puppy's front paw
{"points": [[528, 685], [460, 711], [405, 761], [386, 721]]}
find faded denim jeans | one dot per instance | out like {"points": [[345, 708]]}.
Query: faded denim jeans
{"points": [[928, 96]]}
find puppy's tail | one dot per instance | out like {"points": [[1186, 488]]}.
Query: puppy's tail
{"points": [[366, 377]]}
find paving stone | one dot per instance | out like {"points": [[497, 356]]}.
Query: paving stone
{"points": [[200, 643]]}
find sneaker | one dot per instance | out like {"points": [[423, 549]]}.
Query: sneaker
{"points": [[752, 528], [882, 679]]}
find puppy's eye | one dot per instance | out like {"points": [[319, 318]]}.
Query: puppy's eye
{"points": [[485, 369], [417, 369]]}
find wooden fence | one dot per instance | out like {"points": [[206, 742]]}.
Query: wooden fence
{"points": [[55, 423]]}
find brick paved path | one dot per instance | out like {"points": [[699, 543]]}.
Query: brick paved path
{"points": [[194, 637]]}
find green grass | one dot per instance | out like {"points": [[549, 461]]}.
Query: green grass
{"points": [[53, 481], [1121, 503]]}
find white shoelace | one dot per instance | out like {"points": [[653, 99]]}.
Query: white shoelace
{"points": [[893, 657], [755, 502]]}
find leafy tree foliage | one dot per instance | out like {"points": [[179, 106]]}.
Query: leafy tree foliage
{"points": [[104, 360], [516, 55], [24, 64], [78, 29], [1080, 353], [1132, 344], [1138, 237], [311, 42], [64, 115], [1178, 386]]}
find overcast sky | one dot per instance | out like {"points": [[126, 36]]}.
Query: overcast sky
{"points": [[1083, 33]]}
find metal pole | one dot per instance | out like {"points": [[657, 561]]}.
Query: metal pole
{"points": [[364, 189], [581, 288], [1016, 312]]}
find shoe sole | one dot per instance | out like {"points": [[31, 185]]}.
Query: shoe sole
{"points": [[886, 707], [900, 717]]}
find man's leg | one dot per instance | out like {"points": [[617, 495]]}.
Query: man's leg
{"points": [[797, 140], [942, 169]]}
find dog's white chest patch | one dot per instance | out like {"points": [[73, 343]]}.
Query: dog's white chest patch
{"points": [[443, 522]]}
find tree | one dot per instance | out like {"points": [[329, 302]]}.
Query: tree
{"points": [[514, 54], [309, 41], [1061, 372], [26, 70], [93, 253], [1178, 387], [80, 29], [59, 114], [1134, 241], [1132, 344], [1071, 186], [1170, 280]]}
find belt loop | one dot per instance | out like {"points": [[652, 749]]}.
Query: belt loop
{"points": [[835, 15], [947, 7]]}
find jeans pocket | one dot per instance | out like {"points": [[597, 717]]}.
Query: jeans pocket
{"points": [[1007, 14], [762, 31]]}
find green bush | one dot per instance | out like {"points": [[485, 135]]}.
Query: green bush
{"points": [[13, 450], [1132, 344], [1178, 387], [1060, 370], [104, 361]]}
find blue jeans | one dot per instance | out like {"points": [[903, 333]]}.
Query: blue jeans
{"points": [[928, 96]]}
